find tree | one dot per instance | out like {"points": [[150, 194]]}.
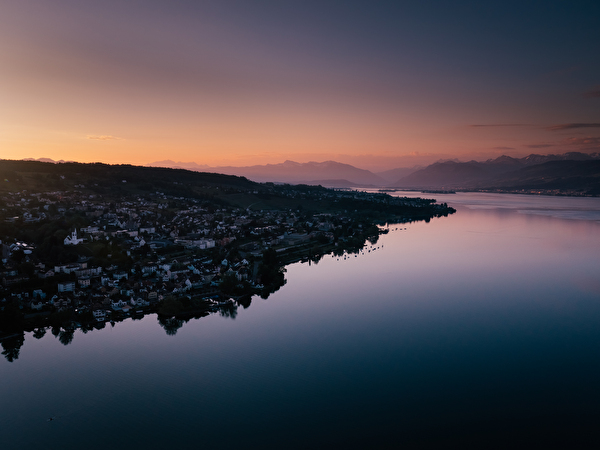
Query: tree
{"points": [[170, 307], [229, 283], [11, 318], [18, 256]]}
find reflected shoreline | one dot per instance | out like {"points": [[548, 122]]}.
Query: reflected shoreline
{"points": [[174, 311]]}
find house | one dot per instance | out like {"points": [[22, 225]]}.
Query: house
{"points": [[67, 268], [42, 274], [36, 305], [150, 268], [139, 302], [61, 302], [60, 269], [117, 305], [120, 275], [66, 286], [73, 239]]}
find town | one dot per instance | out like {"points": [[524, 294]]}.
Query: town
{"points": [[86, 255]]}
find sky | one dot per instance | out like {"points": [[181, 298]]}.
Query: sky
{"points": [[375, 84]]}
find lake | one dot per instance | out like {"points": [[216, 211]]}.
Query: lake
{"points": [[481, 328]]}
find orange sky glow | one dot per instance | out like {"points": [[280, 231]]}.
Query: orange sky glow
{"points": [[120, 84]]}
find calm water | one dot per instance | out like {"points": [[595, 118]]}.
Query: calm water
{"points": [[481, 328]]}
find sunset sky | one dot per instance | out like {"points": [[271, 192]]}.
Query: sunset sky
{"points": [[375, 84]]}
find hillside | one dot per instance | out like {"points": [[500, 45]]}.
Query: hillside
{"points": [[118, 182], [560, 176]]}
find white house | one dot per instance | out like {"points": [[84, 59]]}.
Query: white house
{"points": [[66, 286], [73, 239]]}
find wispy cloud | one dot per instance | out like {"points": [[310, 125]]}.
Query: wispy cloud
{"points": [[103, 137], [594, 93], [500, 125], [572, 126], [539, 145], [503, 148], [583, 140]]}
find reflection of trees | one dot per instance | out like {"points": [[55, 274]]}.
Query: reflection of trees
{"points": [[228, 311], [66, 336], [87, 327], [12, 346], [39, 333], [170, 324], [274, 287], [315, 258], [373, 239], [271, 273]]}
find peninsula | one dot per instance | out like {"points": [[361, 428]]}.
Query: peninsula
{"points": [[85, 244]]}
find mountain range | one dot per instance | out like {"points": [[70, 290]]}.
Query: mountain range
{"points": [[328, 173], [572, 172]]}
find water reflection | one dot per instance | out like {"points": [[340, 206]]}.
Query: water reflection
{"points": [[170, 324], [65, 336], [39, 333], [479, 327], [575, 208], [540, 215], [12, 346], [229, 311], [176, 310]]}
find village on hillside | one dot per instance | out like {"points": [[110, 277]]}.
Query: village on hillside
{"points": [[73, 259]]}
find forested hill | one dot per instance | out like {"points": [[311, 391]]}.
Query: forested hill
{"points": [[91, 182], [98, 176]]}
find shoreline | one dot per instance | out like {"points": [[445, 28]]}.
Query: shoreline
{"points": [[201, 304], [538, 192]]}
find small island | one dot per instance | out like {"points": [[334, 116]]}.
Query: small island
{"points": [[84, 245]]}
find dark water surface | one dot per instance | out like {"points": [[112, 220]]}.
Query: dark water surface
{"points": [[480, 329]]}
